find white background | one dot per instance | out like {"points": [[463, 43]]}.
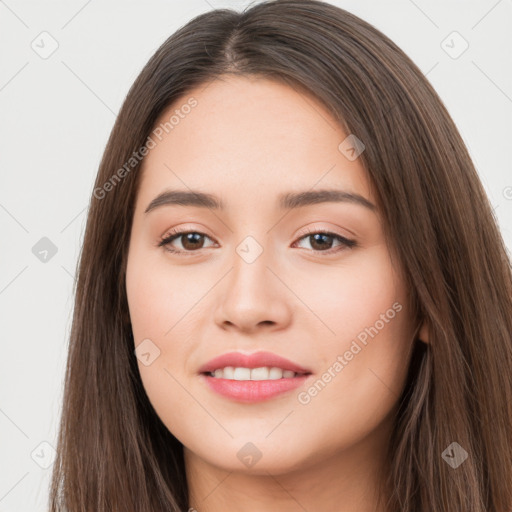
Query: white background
{"points": [[55, 117]]}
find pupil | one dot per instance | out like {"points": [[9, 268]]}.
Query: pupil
{"points": [[193, 239], [316, 238]]}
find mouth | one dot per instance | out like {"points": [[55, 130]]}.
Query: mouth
{"points": [[252, 377]]}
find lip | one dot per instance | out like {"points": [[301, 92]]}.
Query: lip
{"points": [[254, 360], [249, 391]]}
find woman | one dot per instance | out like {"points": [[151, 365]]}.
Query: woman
{"points": [[292, 293]]}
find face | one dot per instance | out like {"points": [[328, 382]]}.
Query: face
{"points": [[309, 281]]}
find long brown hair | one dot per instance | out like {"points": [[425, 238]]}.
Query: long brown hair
{"points": [[114, 453]]}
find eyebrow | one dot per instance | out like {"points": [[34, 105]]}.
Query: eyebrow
{"points": [[287, 200]]}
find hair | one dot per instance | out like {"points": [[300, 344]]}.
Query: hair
{"points": [[114, 452]]}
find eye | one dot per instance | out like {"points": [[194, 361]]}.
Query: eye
{"points": [[322, 241], [191, 241]]}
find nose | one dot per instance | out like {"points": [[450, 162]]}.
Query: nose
{"points": [[253, 296]]}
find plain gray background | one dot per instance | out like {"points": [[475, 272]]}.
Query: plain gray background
{"points": [[56, 113]]}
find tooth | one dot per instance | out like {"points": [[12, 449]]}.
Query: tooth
{"points": [[259, 373], [228, 372], [242, 374], [275, 373]]}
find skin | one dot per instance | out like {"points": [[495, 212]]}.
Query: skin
{"points": [[247, 141]]}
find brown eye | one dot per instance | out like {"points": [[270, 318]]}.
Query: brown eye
{"points": [[191, 241], [322, 241]]}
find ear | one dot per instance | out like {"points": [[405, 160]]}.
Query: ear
{"points": [[423, 333]]}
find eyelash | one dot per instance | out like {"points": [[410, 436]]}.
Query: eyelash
{"points": [[176, 233]]}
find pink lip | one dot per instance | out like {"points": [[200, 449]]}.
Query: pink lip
{"points": [[255, 360], [252, 390]]}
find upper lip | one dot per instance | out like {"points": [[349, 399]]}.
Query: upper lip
{"points": [[255, 360]]}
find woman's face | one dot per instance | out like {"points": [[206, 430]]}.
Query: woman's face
{"points": [[271, 271]]}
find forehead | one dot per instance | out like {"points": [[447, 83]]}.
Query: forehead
{"points": [[246, 136]]}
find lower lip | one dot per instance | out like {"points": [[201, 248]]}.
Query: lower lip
{"points": [[253, 390]]}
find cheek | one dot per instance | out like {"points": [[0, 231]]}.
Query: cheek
{"points": [[156, 306], [158, 294], [160, 301], [363, 351], [353, 296]]}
